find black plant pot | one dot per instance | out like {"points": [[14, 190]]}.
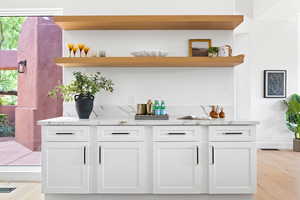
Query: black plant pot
{"points": [[296, 145], [84, 105]]}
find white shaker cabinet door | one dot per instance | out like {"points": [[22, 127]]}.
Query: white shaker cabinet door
{"points": [[121, 167], [232, 167], [176, 168], [65, 167]]}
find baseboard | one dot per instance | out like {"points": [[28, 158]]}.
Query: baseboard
{"points": [[148, 197], [275, 144], [20, 173]]}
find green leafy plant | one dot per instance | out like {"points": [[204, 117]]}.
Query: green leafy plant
{"points": [[10, 28], [213, 50], [293, 114], [8, 100], [8, 82], [84, 84], [6, 130]]}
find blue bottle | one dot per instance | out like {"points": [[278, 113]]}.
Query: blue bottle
{"points": [[163, 108], [156, 107]]}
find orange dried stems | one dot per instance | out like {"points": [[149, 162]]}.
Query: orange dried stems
{"points": [[75, 48], [70, 47], [86, 50], [81, 47]]}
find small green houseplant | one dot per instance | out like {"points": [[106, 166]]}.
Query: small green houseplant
{"points": [[213, 51], [83, 89], [293, 118]]}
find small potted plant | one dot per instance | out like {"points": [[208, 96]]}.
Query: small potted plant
{"points": [[293, 118], [213, 51], [83, 90]]}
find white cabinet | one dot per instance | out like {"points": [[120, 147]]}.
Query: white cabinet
{"points": [[176, 133], [232, 167], [65, 167], [232, 133], [152, 160], [121, 167], [176, 167], [120, 133]]}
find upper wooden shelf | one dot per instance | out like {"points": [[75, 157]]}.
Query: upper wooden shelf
{"points": [[151, 61], [150, 22]]}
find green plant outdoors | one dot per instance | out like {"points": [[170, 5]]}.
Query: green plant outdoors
{"points": [[293, 114], [84, 84], [6, 130], [8, 82], [10, 28]]}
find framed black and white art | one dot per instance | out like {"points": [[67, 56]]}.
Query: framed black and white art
{"points": [[275, 83]]}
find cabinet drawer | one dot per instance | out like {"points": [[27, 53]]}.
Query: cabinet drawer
{"points": [[67, 133], [120, 133], [175, 133], [231, 133]]}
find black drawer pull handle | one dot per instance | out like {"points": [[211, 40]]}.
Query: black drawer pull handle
{"points": [[64, 133], [100, 159], [176, 133], [197, 155], [84, 156], [120, 133], [213, 154], [233, 133]]}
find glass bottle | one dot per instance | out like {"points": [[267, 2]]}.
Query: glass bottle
{"points": [[156, 107], [163, 108]]}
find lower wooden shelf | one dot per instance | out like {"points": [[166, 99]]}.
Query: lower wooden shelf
{"points": [[230, 61]]}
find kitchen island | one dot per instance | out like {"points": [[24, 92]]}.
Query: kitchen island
{"points": [[128, 159]]}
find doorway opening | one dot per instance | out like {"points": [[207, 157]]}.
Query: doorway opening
{"points": [[28, 46]]}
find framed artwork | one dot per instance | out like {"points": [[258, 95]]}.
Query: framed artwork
{"points": [[275, 83], [199, 47]]}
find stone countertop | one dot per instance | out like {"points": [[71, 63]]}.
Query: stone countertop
{"points": [[69, 121]]}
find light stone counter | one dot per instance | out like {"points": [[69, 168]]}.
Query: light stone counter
{"points": [[70, 121]]}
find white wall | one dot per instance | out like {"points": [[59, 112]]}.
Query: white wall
{"points": [[273, 39], [178, 87], [120, 6], [269, 43]]}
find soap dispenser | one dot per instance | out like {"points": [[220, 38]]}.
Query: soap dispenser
{"points": [[222, 113], [213, 113]]}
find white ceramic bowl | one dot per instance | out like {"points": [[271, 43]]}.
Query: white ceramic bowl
{"points": [[149, 53]]}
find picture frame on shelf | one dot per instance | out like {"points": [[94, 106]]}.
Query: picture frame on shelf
{"points": [[199, 47], [275, 82]]}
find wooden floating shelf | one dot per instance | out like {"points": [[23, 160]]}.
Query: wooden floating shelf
{"points": [[151, 61], [150, 22]]}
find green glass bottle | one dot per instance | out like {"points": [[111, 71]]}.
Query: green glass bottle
{"points": [[163, 108], [156, 107]]}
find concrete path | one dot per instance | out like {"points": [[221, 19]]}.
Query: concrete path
{"points": [[13, 153]]}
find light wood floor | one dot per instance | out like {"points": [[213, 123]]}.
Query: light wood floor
{"points": [[278, 175], [24, 191], [278, 179]]}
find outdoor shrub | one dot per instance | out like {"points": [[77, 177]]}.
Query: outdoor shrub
{"points": [[6, 130]]}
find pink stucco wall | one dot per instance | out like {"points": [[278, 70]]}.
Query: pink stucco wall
{"points": [[8, 59], [40, 42]]}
